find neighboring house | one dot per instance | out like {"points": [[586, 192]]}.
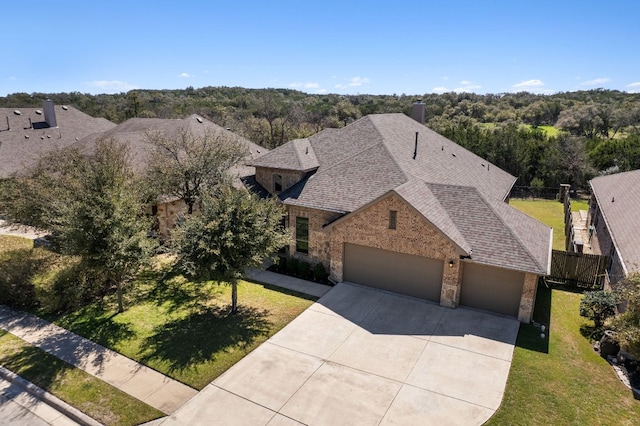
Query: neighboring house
{"points": [[27, 134], [389, 203], [134, 133], [613, 219]]}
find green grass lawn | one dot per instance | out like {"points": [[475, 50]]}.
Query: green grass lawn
{"points": [[561, 380], [182, 328], [92, 396], [550, 213]]}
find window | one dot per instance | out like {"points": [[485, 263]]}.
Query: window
{"points": [[393, 218], [277, 183], [302, 235]]}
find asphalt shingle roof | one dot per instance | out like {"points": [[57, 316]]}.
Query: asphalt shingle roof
{"points": [[459, 192], [28, 137], [618, 197]]}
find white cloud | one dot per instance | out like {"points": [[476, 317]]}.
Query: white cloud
{"points": [[321, 91], [12, 78], [633, 87], [305, 85], [111, 86], [439, 89], [528, 84], [595, 81], [340, 86], [445, 78], [466, 86], [185, 75], [358, 81]]}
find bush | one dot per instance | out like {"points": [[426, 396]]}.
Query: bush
{"points": [[304, 270], [320, 272], [73, 286], [598, 306], [17, 269], [627, 323], [292, 266]]}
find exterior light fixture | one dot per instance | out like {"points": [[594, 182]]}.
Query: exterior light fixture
{"points": [[451, 263]]}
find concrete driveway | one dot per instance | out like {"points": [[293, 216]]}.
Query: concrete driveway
{"points": [[361, 356]]}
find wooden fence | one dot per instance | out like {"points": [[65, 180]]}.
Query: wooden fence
{"points": [[585, 271]]}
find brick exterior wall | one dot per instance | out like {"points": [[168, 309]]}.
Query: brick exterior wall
{"points": [[264, 176], [413, 235]]}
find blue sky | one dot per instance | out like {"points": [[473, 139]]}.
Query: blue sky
{"points": [[345, 47]]}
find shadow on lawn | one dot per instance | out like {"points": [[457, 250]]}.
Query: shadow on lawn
{"points": [[97, 325], [200, 336], [529, 335]]}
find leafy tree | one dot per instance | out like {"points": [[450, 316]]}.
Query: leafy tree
{"points": [[598, 306], [232, 231], [183, 165], [627, 323], [93, 206]]}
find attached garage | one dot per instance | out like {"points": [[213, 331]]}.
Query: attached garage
{"points": [[492, 289], [401, 273]]}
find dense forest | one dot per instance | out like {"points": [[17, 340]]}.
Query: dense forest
{"points": [[544, 140]]}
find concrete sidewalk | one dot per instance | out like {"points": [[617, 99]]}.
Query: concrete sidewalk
{"points": [[20, 231], [290, 283], [137, 380]]}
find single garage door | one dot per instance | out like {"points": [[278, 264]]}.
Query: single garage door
{"points": [[401, 273], [492, 289]]}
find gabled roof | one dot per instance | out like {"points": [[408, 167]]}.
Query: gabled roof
{"points": [[618, 197], [134, 131], [296, 155], [457, 191], [29, 137]]}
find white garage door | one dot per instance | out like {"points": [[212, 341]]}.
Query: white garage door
{"points": [[401, 273]]}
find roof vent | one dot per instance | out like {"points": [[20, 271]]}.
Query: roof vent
{"points": [[64, 107], [17, 112], [39, 112], [199, 119], [26, 136]]}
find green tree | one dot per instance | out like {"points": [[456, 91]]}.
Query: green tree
{"points": [[232, 231], [598, 306], [93, 204], [183, 165]]}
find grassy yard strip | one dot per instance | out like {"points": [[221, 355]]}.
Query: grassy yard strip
{"points": [[550, 213], [92, 396], [561, 380], [183, 329]]}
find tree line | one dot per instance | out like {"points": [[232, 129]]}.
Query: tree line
{"points": [[543, 140]]}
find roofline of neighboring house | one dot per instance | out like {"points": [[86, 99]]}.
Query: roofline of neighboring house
{"points": [[613, 239], [307, 170], [550, 251], [387, 195]]}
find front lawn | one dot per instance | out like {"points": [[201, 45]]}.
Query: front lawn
{"points": [[183, 328], [561, 380], [92, 396]]}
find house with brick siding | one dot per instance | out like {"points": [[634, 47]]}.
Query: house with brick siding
{"points": [[387, 202], [613, 219]]}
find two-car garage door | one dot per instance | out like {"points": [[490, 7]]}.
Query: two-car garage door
{"points": [[401, 273]]}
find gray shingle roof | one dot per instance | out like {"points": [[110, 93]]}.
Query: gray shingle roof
{"points": [[27, 141], [460, 193], [134, 132], [295, 155], [618, 196]]}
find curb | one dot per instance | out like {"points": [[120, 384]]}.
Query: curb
{"points": [[49, 399]]}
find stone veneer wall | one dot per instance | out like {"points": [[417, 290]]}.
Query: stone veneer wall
{"points": [[168, 214], [264, 176], [318, 236], [528, 298], [413, 235]]}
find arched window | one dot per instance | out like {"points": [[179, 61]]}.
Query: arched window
{"points": [[277, 183]]}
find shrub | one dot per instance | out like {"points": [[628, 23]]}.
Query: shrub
{"points": [[292, 266], [598, 306], [304, 270], [320, 272], [17, 269], [627, 323]]}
